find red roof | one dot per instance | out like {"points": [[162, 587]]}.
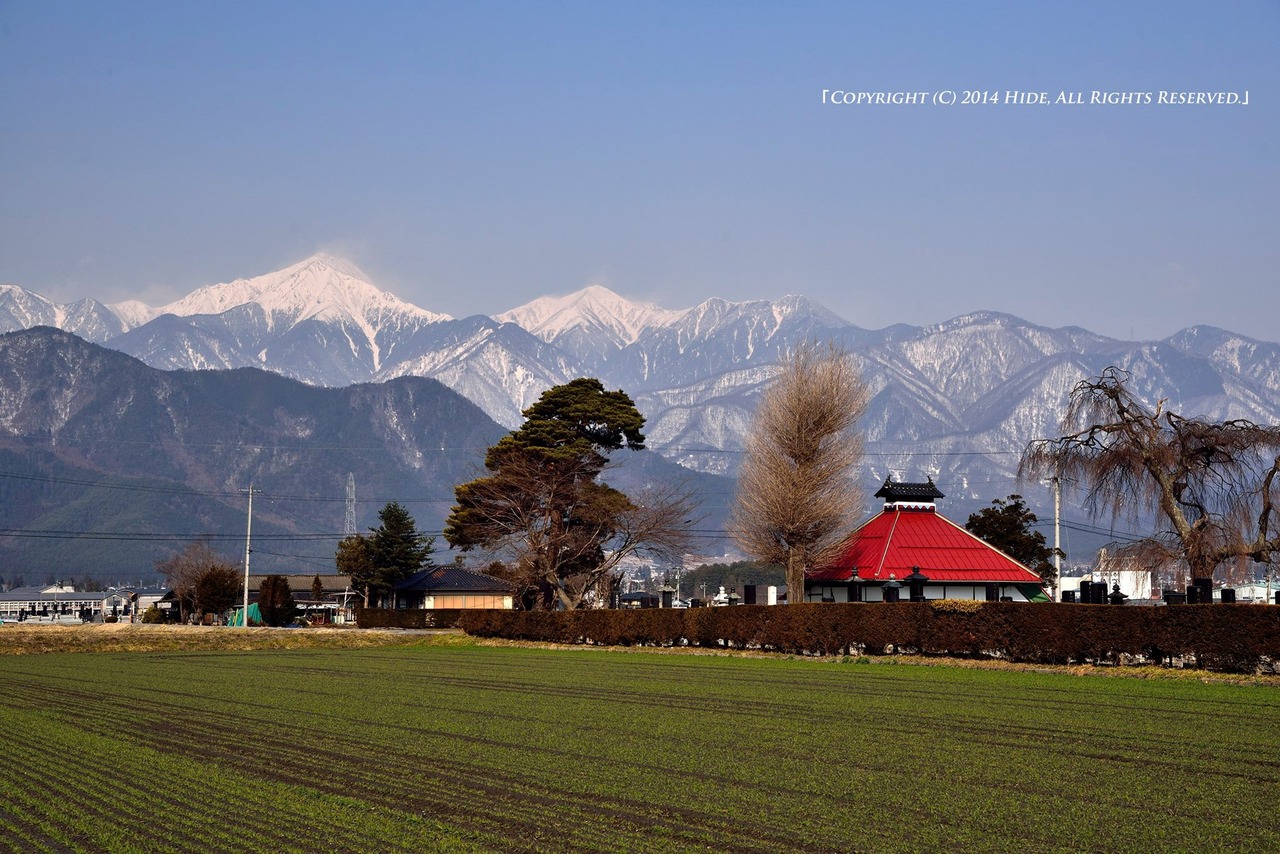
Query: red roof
{"points": [[901, 538]]}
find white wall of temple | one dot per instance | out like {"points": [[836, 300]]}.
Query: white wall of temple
{"points": [[872, 592]]}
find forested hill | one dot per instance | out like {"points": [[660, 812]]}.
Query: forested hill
{"points": [[107, 464]]}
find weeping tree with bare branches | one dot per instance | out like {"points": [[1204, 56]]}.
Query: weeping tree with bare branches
{"points": [[796, 499], [1213, 483], [543, 507]]}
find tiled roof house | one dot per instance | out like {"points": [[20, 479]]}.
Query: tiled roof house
{"points": [[453, 587]]}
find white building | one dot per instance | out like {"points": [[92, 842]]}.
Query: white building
{"points": [[63, 603]]}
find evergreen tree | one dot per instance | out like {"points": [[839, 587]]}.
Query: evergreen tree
{"points": [[397, 549], [355, 559], [275, 601], [204, 581], [217, 588], [1007, 524], [542, 503]]}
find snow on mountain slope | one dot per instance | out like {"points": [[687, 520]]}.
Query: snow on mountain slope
{"points": [[716, 336], [320, 288], [965, 358], [91, 320], [498, 366], [22, 309], [319, 321], [87, 318], [703, 425], [1247, 358], [957, 400], [761, 320], [592, 323], [90, 417], [134, 312], [173, 343]]}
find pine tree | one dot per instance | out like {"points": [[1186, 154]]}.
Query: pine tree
{"points": [[397, 549], [543, 505], [355, 560]]}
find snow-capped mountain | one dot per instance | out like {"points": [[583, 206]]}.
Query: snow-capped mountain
{"points": [[956, 400], [133, 312], [101, 442], [320, 321], [95, 441], [320, 288], [591, 324], [498, 366], [87, 318], [717, 335]]}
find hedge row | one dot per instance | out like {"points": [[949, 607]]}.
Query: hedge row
{"points": [[417, 618], [1237, 638]]}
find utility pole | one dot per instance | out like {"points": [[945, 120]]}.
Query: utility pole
{"points": [[1057, 539], [248, 534]]}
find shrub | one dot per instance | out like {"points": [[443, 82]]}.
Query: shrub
{"points": [[410, 618], [1236, 638]]}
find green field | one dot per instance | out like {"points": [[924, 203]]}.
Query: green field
{"points": [[485, 748]]}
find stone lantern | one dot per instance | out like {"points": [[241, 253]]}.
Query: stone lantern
{"points": [[892, 589], [915, 584]]}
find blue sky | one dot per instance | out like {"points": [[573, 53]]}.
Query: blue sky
{"points": [[473, 156]]}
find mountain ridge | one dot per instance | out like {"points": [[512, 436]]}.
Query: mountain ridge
{"points": [[956, 399], [79, 422], [107, 463]]}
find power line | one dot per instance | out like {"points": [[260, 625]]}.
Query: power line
{"points": [[228, 446], [128, 487], [311, 559], [179, 490], [913, 450], [151, 537]]}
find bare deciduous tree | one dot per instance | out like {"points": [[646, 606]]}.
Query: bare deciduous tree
{"points": [[796, 499], [202, 580], [1213, 482]]}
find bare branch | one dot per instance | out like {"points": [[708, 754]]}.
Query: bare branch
{"points": [[796, 500], [1210, 481]]}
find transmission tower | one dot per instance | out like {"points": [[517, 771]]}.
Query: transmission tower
{"points": [[349, 526]]}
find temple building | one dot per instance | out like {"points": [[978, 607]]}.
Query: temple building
{"points": [[911, 551]]}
